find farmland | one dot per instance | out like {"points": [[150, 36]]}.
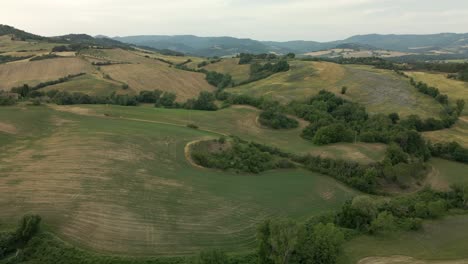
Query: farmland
{"points": [[124, 186], [115, 180], [381, 91], [441, 240], [34, 72]]}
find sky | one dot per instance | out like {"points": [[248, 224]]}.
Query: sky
{"points": [[279, 20]]}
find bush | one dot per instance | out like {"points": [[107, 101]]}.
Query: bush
{"points": [[274, 119], [332, 134], [193, 126], [212, 257]]}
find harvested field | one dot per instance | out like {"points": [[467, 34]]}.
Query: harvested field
{"points": [[34, 72], [140, 77]]}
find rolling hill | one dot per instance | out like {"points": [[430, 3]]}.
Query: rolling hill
{"points": [[228, 46]]}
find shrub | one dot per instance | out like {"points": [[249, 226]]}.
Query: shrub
{"points": [[274, 119]]}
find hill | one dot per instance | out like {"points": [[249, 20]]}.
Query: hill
{"points": [[228, 46]]}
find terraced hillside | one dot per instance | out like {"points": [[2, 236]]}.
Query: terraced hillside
{"points": [[124, 186], [379, 90]]}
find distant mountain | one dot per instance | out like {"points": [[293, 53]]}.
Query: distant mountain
{"points": [[201, 46], [444, 43], [412, 43], [84, 39], [225, 46]]}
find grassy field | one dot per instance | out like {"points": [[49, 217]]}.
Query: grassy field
{"points": [[381, 91], [34, 72], [238, 72], [240, 121], [8, 45], [444, 239], [445, 173], [142, 73], [91, 84], [124, 186], [455, 90]]}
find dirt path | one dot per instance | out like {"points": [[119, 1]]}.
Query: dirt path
{"points": [[87, 112], [7, 128], [187, 149]]}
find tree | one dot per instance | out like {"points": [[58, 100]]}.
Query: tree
{"points": [[332, 134], [326, 244], [167, 100], [28, 227], [394, 117], [344, 89], [385, 223], [395, 154], [357, 214], [212, 257], [277, 241], [205, 101], [436, 208], [460, 193], [460, 106]]}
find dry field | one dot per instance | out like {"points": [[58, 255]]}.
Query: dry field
{"points": [[34, 72]]}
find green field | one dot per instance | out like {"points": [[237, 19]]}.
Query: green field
{"points": [[381, 91], [240, 121], [124, 186], [89, 84], [445, 173], [444, 239]]}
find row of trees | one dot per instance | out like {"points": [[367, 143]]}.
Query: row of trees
{"points": [[31, 91], [449, 150], [8, 58]]}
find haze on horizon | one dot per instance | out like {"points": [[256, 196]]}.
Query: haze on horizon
{"points": [[319, 20]]}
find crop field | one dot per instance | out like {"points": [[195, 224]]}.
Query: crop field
{"points": [[122, 185], [440, 240], [381, 91], [238, 72], [90, 84], [173, 59], [241, 121], [34, 72], [142, 73]]}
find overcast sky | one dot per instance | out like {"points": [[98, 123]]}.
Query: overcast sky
{"points": [[319, 20]]}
